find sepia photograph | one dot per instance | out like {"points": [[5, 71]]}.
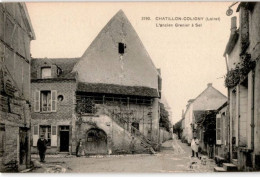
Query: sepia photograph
{"points": [[129, 87]]}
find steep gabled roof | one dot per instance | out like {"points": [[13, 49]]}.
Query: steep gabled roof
{"points": [[213, 99], [102, 63]]}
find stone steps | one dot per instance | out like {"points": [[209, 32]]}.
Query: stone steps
{"points": [[234, 161], [219, 160], [229, 167], [219, 169]]}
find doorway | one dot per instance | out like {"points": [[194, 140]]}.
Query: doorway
{"points": [[96, 142], [23, 150], [64, 138]]}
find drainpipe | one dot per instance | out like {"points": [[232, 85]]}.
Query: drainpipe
{"points": [[252, 110], [238, 115]]}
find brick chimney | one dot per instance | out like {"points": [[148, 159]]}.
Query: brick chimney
{"points": [[209, 85]]}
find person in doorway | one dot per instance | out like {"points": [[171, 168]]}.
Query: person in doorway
{"points": [[42, 147], [211, 148], [195, 147], [79, 148], [132, 145]]}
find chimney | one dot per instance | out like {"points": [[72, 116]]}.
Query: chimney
{"points": [[209, 84], [233, 24]]}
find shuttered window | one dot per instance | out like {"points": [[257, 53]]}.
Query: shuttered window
{"points": [[54, 101], [53, 130], [218, 129], [53, 135], [45, 101], [37, 101], [35, 135], [35, 130]]}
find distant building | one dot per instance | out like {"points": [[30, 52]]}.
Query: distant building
{"points": [[243, 77], [104, 98], [209, 100], [16, 33]]}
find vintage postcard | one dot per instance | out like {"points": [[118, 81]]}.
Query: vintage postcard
{"points": [[129, 87]]}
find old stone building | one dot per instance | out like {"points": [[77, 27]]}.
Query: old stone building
{"points": [[111, 95], [16, 32], [118, 91], [242, 80]]}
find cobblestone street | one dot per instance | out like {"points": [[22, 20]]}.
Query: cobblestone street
{"points": [[166, 161]]}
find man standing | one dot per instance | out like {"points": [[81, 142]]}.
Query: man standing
{"points": [[195, 146], [42, 146]]}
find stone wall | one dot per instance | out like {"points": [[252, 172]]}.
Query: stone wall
{"points": [[14, 115], [15, 36]]}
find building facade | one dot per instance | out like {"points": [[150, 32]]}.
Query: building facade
{"points": [[16, 33], [53, 87], [242, 56], [108, 99]]}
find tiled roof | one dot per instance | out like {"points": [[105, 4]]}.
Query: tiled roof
{"points": [[117, 89], [65, 64]]}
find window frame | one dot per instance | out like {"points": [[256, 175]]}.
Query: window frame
{"points": [[48, 68]]}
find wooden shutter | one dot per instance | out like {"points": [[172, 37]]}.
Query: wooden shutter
{"points": [[35, 134], [53, 135], [37, 101], [218, 129], [54, 101]]}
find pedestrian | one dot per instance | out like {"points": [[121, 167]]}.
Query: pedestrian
{"points": [[195, 147], [211, 148], [42, 147], [132, 145], [79, 148]]}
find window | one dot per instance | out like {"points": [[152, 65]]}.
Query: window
{"points": [[46, 131], [45, 101], [2, 139], [46, 72], [121, 48], [218, 129]]}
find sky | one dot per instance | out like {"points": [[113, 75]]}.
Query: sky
{"points": [[189, 57]]}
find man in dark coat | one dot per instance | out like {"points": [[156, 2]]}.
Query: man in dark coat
{"points": [[42, 146]]}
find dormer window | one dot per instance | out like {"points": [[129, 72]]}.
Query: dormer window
{"points": [[46, 72]]}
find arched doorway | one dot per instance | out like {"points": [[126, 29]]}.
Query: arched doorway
{"points": [[96, 142]]}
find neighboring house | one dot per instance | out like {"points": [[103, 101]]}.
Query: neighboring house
{"points": [[243, 77], [105, 98], [209, 100], [53, 87], [16, 32], [222, 135]]}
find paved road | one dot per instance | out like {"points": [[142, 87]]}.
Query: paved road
{"points": [[169, 160]]}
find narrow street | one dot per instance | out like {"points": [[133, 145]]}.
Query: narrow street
{"points": [[166, 161]]}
